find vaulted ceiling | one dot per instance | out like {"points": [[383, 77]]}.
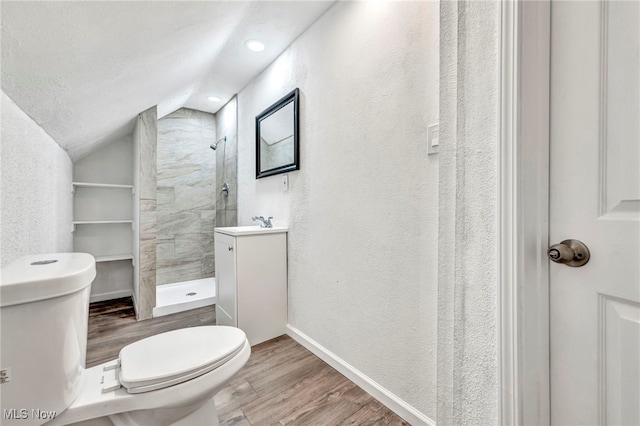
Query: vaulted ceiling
{"points": [[83, 70]]}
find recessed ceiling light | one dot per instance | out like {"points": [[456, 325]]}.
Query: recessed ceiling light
{"points": [[254, 45], [214, 98]]}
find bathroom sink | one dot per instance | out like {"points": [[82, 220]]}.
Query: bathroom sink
{"points": [[250, 230]]}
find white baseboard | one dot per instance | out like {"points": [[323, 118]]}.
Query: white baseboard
{"points": [[110, 295], [395, 404]]}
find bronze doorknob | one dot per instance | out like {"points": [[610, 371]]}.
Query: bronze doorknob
{"points": [[569, 252]]}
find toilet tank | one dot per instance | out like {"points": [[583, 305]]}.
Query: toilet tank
{"points": [[44, 303]]}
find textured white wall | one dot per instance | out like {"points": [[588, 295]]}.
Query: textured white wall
{"points": [[362, 211], [468, 263], [36, 201]]}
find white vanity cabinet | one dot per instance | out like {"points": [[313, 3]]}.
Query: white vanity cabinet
{"points": [[251, 280]]}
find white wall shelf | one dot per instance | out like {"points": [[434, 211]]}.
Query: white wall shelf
{"points": [[114, 257], [99, 222], [101, 185]]}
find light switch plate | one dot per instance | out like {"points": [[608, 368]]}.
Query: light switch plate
{"points": [[285, 183], [433, 138]]}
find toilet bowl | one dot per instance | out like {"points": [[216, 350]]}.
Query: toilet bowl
{"points": [[166, 379], [161, 379]]}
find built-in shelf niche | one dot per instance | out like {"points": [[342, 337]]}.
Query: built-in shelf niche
{"points": [[104, 240], [103, 216], [101, 210], [102, 203]]}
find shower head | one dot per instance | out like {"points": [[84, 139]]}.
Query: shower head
{"points": [[213, 146]]}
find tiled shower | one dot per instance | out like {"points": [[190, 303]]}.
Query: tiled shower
{"points": [[186, 196], [191, 203]]}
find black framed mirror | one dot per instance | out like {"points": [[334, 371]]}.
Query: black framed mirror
{"points": [[277, 142]]}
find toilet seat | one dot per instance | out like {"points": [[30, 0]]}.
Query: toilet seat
{"points": [[103, 396], [177, 356]]}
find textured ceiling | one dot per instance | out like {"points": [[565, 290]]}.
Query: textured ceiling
{"points": [[84, 70]]}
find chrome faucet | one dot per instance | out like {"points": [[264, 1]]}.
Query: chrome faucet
{"points": [[264, 223]]}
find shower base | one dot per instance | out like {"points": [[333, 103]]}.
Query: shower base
{"points": [[178, 297]]}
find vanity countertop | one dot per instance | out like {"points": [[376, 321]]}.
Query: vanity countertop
{"points": [[250, 230]]}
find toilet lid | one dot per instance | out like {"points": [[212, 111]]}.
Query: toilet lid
{"points": [[177, 356]]}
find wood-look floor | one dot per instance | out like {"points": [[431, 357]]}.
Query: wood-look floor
{"points": [[281, 384]]}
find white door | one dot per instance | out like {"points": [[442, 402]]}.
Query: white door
{"points": [[595, 198]]}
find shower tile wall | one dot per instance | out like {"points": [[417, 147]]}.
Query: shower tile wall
{"points": [[146, 139], [227, 164], [186, 196]]}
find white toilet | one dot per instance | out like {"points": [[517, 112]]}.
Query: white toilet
{"points": [[167, 379]]}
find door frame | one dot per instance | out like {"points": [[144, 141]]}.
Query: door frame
{"points": [[523, 213]]}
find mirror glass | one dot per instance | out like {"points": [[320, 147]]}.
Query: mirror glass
{"points": [[277, 137]]}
